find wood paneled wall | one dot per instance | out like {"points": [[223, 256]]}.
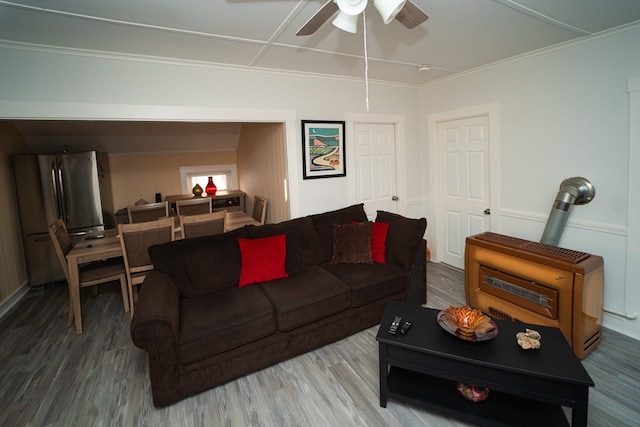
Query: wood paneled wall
{"points": [[13, 271], [136, 176], [262, 168]]}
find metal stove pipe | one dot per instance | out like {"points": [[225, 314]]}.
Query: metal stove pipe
{"points": [[573, 191]]}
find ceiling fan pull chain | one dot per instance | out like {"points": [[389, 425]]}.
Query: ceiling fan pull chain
{"points": [[366, 61]]}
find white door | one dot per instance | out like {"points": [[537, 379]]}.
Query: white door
{"points": [[376, 167], [464, 160]]}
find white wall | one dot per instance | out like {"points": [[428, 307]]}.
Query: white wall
{"points": [[563, 112], [53, 84]]}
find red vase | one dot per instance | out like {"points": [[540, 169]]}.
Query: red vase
{"points": [[211, 188]]}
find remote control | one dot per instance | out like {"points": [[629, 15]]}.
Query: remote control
{"points": [[405, 327], [394, 326]]}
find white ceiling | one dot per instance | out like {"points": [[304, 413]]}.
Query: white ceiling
{"points": [[459, 35], [260, 34]]}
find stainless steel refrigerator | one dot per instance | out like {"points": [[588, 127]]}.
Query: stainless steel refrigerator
{"points": [[72, 186]]}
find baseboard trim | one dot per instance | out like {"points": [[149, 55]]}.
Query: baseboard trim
{"points": [[14, 298]]}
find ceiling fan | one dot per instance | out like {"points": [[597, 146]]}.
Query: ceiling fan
{"points": [[404, 11]]}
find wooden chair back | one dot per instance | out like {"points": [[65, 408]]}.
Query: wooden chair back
{"points": [[147, 212], [91, 274], [259, 209], [203, 225], [61, 243], [195, 206], [135, 240]]}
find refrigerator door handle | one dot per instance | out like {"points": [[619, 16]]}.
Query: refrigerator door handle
{"points": [[54, 181], [78, 233], [63, 213]]}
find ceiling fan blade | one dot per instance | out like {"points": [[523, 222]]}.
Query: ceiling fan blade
{"points": [[411, 16], [318, 19]]}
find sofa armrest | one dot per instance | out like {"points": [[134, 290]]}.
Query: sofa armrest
{"points": [[157, 312], [417, 292], [154, 328]]}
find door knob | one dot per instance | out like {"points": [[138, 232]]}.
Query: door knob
{"points": [[394, 198], [487, 211]]}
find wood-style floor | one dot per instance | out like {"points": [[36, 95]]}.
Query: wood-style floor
{"points": [[52, 377]]}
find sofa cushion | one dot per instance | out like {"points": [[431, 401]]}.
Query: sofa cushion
{"points": [[204, 264], [352, 243], [403, 238], [324, 222], [262, 259], [219, 321], [369, 283], [307, 295], [302, 240]]}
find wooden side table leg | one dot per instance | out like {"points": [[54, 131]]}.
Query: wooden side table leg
{"points": [[384, 373]]}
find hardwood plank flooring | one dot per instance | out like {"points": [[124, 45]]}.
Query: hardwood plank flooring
{"points": [[52, 377]]}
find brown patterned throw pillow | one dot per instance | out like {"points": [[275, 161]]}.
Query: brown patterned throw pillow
{"points": [[352, 243]]}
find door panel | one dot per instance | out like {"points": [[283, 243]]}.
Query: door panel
{"points": [[452, 171], [464, 147], [365, 174], [453, 228], [376, 163]]}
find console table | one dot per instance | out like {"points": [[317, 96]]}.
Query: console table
{"points": [[527, 387], [230, 200]]}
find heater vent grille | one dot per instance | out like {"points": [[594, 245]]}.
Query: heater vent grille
{"points": [[497, 314], [519, 291], [533, 247]]}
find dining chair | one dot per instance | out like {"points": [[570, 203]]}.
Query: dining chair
{"points": [[135, 240], [90, 274], [259, 209], [147, 212], [203, 224], [194, 206]]}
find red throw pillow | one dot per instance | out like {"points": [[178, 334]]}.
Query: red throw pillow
{"points": [[378, 240], [262, 259]]}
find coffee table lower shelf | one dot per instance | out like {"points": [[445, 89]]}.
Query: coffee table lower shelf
{"points": [[499, 409]]}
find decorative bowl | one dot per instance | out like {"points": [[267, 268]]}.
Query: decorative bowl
{"points": [[472, 393], [467, 323]]}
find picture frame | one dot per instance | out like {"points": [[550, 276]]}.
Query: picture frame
{"points": [[323, 145]]}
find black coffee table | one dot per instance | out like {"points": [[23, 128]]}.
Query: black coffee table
{"points": [[527, 387]]}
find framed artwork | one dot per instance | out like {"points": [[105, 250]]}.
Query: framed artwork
{"points": [[323, 153]]}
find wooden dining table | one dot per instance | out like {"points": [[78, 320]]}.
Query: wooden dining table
{"points": [[101, 245], [238, 219]]}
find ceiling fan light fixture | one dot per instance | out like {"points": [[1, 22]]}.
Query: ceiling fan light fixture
{"points": [[346, 22], [388, 9], [352, 7]]}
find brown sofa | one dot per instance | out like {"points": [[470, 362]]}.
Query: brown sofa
{"points": [[200, 329]]}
